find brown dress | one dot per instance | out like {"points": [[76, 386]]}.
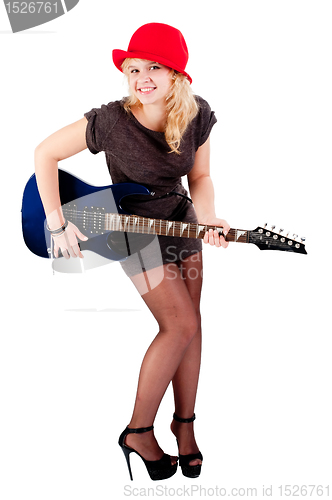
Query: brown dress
{"points": [[140, 155]]}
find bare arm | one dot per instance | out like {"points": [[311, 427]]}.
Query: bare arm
{"points": [[64, 143], [202, 193]]}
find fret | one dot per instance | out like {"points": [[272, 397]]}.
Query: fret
{"points": [[177, 229], [122, 221], [118, 223], [111, 222], [192, 230], [200, 229], [237, 235], [135, 225]]}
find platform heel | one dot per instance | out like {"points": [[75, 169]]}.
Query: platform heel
{"points": [[191, 471], [157, 469]]}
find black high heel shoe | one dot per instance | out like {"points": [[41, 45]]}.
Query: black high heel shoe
{"points": [[157, 469], [184, 460]]}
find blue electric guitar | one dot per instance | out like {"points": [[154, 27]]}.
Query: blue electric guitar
{"points": [[113, 233]]}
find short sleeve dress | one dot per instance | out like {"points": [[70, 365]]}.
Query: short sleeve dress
{"points": [[137, 154]]}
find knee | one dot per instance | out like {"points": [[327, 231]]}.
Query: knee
{"points": [[188, 328]]}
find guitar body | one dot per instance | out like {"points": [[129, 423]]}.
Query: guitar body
{"points": [[84, 198]]}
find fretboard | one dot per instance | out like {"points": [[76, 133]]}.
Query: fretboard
{"points": [[144, 225], [98, 222]]}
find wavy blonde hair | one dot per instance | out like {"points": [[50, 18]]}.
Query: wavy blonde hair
{"points": [[181, 106]]}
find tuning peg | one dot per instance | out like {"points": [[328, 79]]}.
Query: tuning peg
{"points": [[273, 228], [265, 225], [303, 239], [281, 230], [295, 236]]}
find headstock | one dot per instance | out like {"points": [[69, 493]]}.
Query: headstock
{"points": [[268, 239]]}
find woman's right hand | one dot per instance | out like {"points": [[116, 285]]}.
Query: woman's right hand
{"points": [[67, 242]]}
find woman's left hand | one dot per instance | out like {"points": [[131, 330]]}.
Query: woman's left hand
{"points": [[213, 237]]}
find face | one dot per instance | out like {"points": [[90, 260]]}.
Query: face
{"points": [[149, 81]]}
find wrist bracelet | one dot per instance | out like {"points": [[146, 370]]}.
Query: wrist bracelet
{"points": [[58, 232]]}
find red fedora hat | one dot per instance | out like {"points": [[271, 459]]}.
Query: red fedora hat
{"points": [[159, 43]]}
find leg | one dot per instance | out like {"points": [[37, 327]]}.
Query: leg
{"points": [[172, 306], [185, 380]]}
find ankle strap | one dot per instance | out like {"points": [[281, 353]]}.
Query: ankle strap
{"points": [[184, 420], [139, 430]]}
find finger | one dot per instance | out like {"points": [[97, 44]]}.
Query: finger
{"points": [[223, 242], [71, 242], [65, 253], [76, 232], [71, 252], [74, 248], [211, 237], [217, 239], [81, 235], [226, 227], [77, 251], [206, 237], [56, 248]]}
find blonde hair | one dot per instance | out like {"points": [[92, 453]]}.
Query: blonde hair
{"points": [[181, 107]]}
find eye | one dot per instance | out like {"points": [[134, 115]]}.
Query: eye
{"points": [[154, 67], [134, 71]]}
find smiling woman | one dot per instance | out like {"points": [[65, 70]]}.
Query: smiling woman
{"points": [[155, 136], [149, 78]]}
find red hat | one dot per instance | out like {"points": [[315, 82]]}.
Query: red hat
{"points": [[156, 42]]}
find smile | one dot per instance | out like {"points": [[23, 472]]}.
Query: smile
{"points": [[147, 90]]}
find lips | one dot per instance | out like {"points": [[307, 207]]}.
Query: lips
{"points": [[146, 90]]}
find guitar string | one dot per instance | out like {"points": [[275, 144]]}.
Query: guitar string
{"points": [[90, 216], [100, 218]]}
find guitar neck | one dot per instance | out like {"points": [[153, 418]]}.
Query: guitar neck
{"points": [[143, 225]]}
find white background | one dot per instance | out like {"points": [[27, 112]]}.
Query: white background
{"points": [[71, 346]]}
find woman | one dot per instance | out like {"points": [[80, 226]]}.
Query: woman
{"points": [[153, 137]]}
